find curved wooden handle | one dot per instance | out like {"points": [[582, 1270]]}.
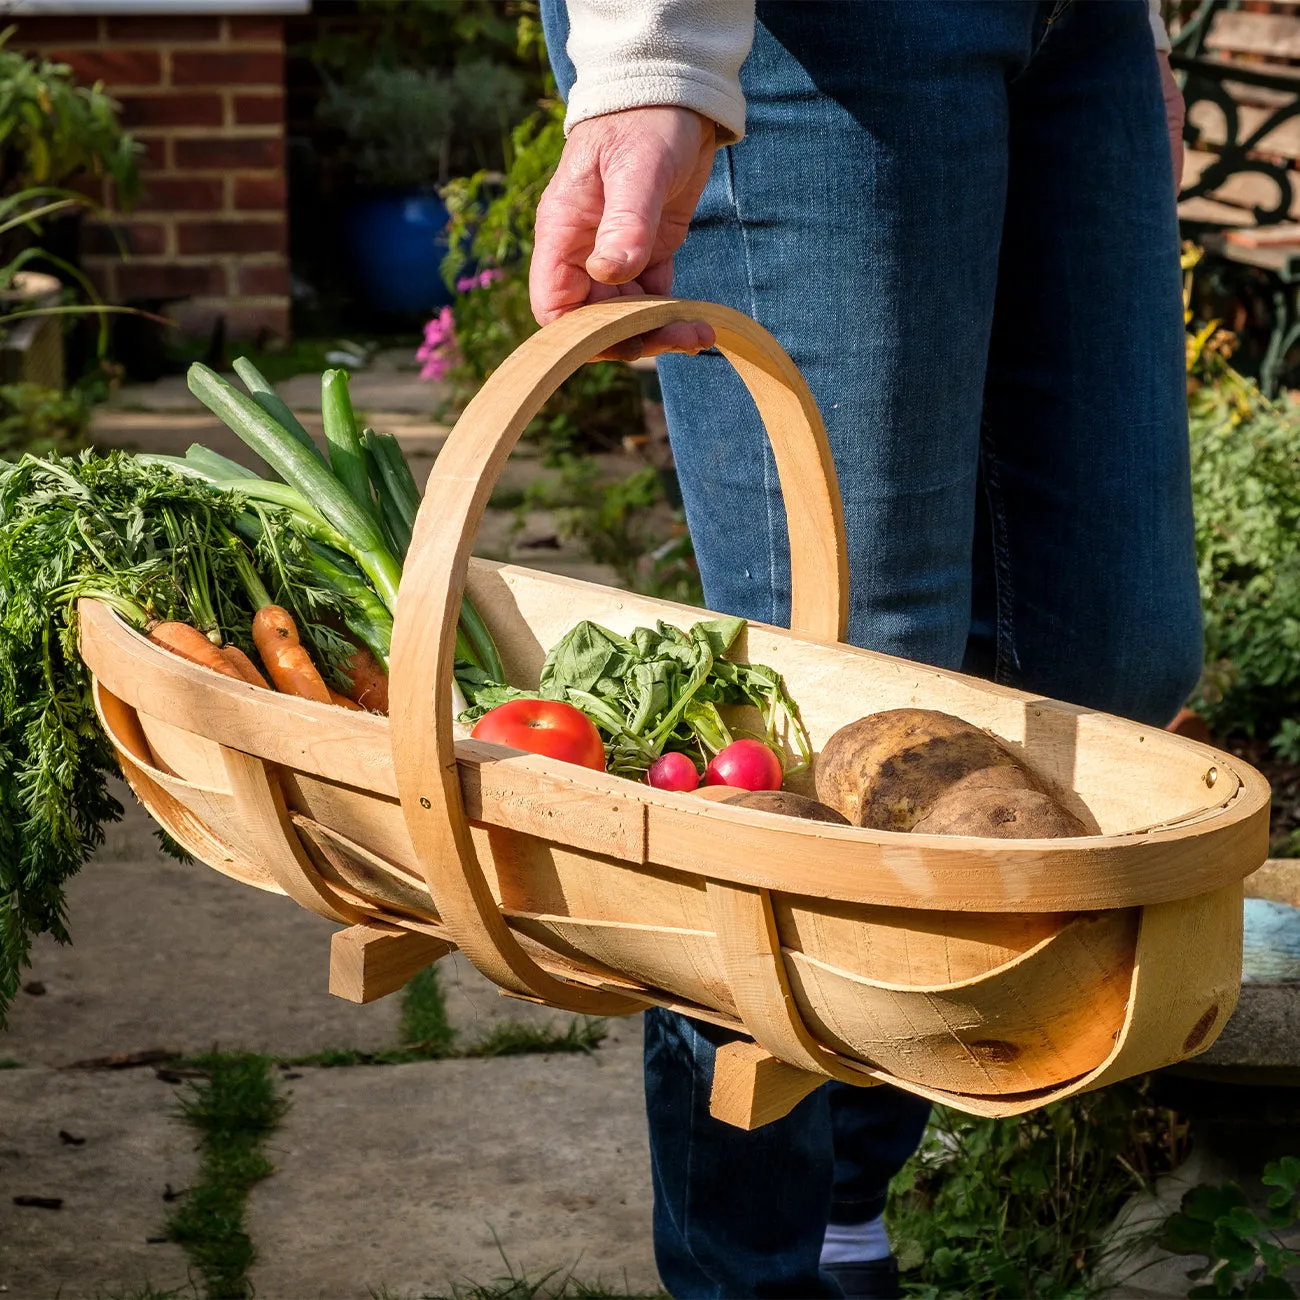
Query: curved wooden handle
{"points": [[434, 581]]}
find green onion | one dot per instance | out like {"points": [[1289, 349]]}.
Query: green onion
{"points": [[347, 455], [304, 471], [271, 402]]}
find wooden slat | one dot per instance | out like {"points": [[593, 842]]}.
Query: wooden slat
{"points": [[1247, 190], [1283, 140], [371, 961], [1275, 36], [752, 1088]]}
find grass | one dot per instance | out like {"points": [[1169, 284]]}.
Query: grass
{"points": [[557, 1284], [150, 1292], [520, 1037], [234, 1109], [7, 1064], [426, 1033]]}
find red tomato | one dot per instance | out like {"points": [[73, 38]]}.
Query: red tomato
{"points": [[746, 764], [548, 727], [673, 771]]}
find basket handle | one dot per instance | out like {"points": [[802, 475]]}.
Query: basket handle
{"points": [[433, 584]]}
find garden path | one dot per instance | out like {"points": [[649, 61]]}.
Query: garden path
{"points": [[400, 1176]]}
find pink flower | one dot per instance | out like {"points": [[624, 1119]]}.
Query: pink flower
{"points": [[439, 351], [481, 281]]}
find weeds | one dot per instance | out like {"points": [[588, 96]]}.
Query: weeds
{"points": [[234, 1109], [1017, 1207], [519, 1037]]}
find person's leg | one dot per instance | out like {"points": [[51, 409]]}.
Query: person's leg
{"points": [[859, 221], [735, 1213], [1085, 440]]}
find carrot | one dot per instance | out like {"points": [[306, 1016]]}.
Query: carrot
{"points": [[188, 642], [344, 703], [246, 667], [367, 681], [287, 661]]}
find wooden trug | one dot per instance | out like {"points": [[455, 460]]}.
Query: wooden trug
{"points": [[991, 975]]}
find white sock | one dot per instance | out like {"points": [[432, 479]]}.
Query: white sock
{"points": [[855, 1243]]}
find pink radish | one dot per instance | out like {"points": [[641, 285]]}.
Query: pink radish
{"points": [[673, 771], [746, 764]]}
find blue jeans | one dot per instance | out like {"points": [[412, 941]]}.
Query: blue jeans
{"points": [[959, 221]]}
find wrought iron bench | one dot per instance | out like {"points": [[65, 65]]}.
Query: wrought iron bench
{"points": [[1240, 199]]}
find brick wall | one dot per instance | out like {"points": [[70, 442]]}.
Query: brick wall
{"points": [[205, 95]]}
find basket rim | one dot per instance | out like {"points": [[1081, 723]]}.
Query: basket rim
{"points": [[338, 745]]}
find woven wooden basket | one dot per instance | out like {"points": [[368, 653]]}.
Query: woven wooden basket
{"points": [[991, 975]]}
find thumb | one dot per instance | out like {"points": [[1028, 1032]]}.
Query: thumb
{"points": [[629, 224]]}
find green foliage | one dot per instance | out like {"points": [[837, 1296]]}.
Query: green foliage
{"points": [[403, 123], [491, 227], [40, 420], [53, 130], [1243, 1253], [425, 1024], [1246, 486], [525, 1037], [234, 1110], [1015, 1207]]}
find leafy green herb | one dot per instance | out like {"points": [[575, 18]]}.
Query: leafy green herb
{"points": [[1243, 1252], [152, 545], [659, 689]]}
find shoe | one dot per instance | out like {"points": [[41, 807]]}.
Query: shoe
{"points": [[875, 1279]]}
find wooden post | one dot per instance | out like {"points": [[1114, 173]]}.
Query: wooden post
{"points": [[752, 1088], [370, 961]]}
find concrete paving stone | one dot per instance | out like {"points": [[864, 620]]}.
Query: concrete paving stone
{"points": [[413, 1177], [111, 1185], [165, 955]]}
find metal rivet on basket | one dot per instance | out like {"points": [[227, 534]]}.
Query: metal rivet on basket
{"points": [[424, 803], [1211, 776]]}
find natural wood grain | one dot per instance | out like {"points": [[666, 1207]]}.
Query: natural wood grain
{"points": [[992, 975], [368, 962], [752, 1088]]}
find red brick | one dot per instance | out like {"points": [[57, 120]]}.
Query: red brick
{"points": [[257, 281], [93, 187], [246, 152], [154, 157], [100, 274], [191, 68], [183, 194], [257, 28], [114, 67], [260, 193], [259, 110], [196, 318], [230, 237], [54, 31], [167, 280], [172, 110], [143, 237], [156, 27]]}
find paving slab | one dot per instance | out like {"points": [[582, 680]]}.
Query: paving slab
{"points": [[166, 955], [111, 1183], [417, 1176]]}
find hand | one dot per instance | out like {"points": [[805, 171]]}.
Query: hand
{"points": [[615, 212], [1175, 111]]}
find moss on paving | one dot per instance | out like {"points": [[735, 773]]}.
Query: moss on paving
{"points": [[426, 1033], [234, 1108]]}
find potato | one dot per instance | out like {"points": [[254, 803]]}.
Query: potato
{"points": [[887, 770], [788, 804], [1004, 814]]}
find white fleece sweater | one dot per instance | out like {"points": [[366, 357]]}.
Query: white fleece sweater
{"points": [[642, 53]]}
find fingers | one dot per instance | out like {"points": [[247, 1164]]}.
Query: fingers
{"points": [[629, 225]]}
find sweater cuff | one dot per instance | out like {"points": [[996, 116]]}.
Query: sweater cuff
{"points": [[1158, 28], [667, 85]]}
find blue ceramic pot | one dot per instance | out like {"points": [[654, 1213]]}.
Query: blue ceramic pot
{"points": [[396, 242]]}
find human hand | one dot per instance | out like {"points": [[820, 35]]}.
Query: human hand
{"points": [[1175, 111], [615, 212]]}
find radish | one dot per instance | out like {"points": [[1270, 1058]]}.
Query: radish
{"points": [[746, 764], [673, 771]]}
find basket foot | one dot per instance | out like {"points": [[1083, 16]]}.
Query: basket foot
{"points": [[370, 961], [752, 1088]]}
